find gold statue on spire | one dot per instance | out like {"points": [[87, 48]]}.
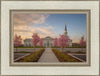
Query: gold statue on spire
{"points": [[65, 23]]}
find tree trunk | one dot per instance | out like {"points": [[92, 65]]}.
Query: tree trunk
{"points": [[82, 48], [34, 48]]}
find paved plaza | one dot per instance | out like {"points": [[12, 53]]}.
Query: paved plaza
{"points": [[48, 56]]}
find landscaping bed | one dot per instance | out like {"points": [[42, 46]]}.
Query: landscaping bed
{"points": [[33, 57], [64, 57]]}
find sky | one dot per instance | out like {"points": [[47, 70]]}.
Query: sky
{"points": [[53, 25]]}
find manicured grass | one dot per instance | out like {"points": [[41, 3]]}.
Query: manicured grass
{"points": [[22, 52], [73, 52], [79, 52], [29, 47], [75, 47], [33, 57], [64, 57], [69, 47], [68, 51]]}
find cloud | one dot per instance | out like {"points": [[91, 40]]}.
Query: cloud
{"points": [[23, 25], [46, 31], [29, 18], [28, 31]]}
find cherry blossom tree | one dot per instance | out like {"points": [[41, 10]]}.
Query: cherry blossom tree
{"points": [[55, 42], [17, 41], [63, 40], [41, 42], [82, 42], [36, 39]]}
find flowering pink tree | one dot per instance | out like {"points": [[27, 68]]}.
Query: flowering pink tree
{"points": [[36, 39], [55, 42], [82, 42], [17, 41], [63, 41], [41, 42]]}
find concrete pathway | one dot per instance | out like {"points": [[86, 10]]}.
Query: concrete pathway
{"points": [[48, 56]]}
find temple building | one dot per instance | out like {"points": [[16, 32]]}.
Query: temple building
{"points": [[48, 41]]}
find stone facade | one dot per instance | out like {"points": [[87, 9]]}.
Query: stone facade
{"points": [[28, 42], [47, 42]]}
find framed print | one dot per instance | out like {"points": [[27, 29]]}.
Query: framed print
{"points": [[50, 38]]}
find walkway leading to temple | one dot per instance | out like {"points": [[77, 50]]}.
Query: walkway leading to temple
{"points": [[48, 56]]}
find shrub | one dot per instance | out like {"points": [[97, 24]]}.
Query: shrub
{"points": [[68, 51], [64, 57]]}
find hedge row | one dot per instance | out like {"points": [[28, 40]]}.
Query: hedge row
{"points": [[33, 57], [64, 57]]}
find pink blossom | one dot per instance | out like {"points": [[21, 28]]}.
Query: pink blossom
{"points": [[63, 41], [36, 39], [82, 41], [41, 42], [55, 42], [17, 40]]}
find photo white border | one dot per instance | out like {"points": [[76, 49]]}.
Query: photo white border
{"points": [[87, 70]]}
